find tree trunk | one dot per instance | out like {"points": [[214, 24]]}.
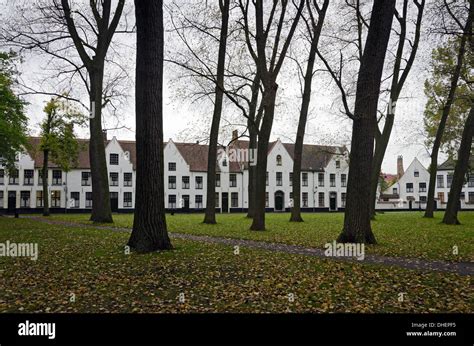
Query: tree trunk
{"points": [[210, 214], [357, 226], [462, 166], [149, 225], [298, 152], [269, 97], [252, 174], [101, 211], [430, 204], [45, 183]]}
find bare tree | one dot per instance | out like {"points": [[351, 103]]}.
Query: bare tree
{"points": [[314, 26], [268, 59], [149, 225], [79, 37]]}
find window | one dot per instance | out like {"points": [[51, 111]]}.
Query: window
{"points": [[471, 197], [233, 180], [2, 176], [172, 182], [185, 181], [24, 199], [199, 183], [441, 197], [422, 199], [127, 199], [218, 180], [266, 178], [40, 176], [114, 159], [409, 187], [74, 202], [1, 199], [332, 180], [224, 162], [304, 178], [395, 190], [86, 179], [172, 201], [13, 177], [198, 201], [470, 182], [321, 179], [127, 179], [88, 199], [28, 177], [55, 199], [416, 173], [422, 187], [114, 178], [171, 166], [291, 179], [305, 199], [39, 199], [266, 200], [217, 199], [234, 199], [338, 164], [343, 199], [279, 180], [321, 199], [57, 177], [278, 160], [440, 180], [450, 180], [343, 180]]}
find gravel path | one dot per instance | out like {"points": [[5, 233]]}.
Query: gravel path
{"points": [[461, 268]]}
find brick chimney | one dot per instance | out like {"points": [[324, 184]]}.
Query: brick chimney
{"points": [[235, 135], [400, 170]]}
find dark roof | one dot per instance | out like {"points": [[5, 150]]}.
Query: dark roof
{"points": [[315, 157], [449, 164]]}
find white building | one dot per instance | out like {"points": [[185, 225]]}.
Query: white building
{"points": [[323, 179]]}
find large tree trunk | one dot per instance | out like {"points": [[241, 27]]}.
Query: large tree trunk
{"points": [[430, 204], [101, 211], [357, 226], [308, 80], [462, 166], [252, 174], [45, 183], [210, 215], [149, 225], [269, 97]]}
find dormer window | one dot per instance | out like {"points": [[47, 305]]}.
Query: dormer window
{"points": [[278, 159], [114, 159], [224, 162], [417, 174], [338, 164]]}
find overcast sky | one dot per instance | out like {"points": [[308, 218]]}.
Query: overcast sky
{"points": [[326, 124]]}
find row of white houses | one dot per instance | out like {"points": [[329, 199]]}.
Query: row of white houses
{"points": [[323, 179]]}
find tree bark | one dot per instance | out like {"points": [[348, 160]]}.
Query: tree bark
{"points": [[306, 99], [430, 204], [462, 166], [149, 225], [45, 183], [210, 213], [101, 209], [357, 226]]}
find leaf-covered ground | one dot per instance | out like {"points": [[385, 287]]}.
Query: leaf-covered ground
{"points": [[91, 266], [405, 234]]}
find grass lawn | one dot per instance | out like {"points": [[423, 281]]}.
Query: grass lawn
{"points": [[405, 234], [92, 265]]}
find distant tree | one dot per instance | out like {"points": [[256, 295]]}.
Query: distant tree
{"points": [[58, 140], [149, 224], [446, 102], [13, 121]]}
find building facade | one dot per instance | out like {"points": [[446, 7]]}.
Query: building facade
{"points": [[323, 180]]}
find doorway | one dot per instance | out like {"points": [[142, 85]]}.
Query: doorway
{"points": [[332, 201], [279, 200], [114, 201], [11, 201], [186, 203], [225, 202]]}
